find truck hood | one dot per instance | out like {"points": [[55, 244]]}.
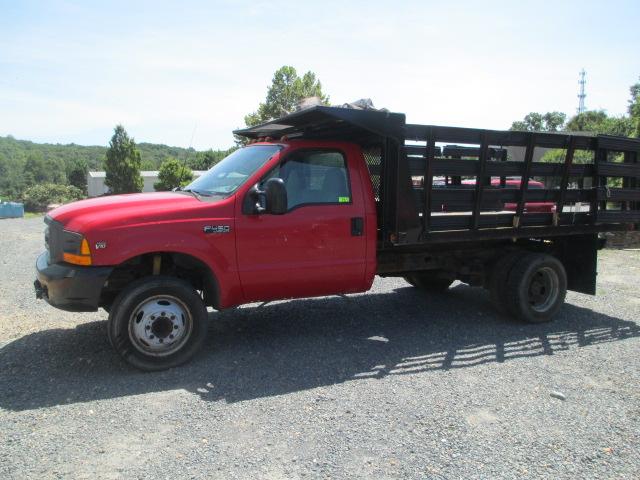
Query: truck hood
{"points": [[117, 210]]}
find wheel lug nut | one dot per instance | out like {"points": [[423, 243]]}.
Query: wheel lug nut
{"points": [[160, 340], [148, 327], [152, 337], [173, 317], [153, 317], [175, 327], [162, 314], [171, 336]]}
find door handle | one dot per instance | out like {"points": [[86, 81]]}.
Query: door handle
{"points": [[357, 226]]}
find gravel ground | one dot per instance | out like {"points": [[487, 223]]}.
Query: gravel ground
{"points": [[387, 384]]}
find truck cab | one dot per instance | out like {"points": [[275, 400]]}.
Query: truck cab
{"points": [[273, 220]]}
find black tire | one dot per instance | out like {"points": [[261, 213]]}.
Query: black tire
{"points": [[536, 288], [429, 282], [498, 279], [145, 316]]}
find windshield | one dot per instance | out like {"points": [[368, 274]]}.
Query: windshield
{"points": [[225, 177]]}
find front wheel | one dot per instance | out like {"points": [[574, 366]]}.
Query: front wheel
{"points": [[157, 323]]}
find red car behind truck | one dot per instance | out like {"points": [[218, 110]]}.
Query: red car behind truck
{"points": [[318, 204]]}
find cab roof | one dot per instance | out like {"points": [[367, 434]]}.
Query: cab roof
{"points": [[335, 123]]}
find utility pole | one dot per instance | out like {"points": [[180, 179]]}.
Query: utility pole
{"points": [[581, 95]]}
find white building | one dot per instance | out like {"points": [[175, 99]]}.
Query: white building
{"points": [[96, 186]]}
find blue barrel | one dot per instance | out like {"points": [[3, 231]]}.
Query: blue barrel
{"points": [[11, 210]]}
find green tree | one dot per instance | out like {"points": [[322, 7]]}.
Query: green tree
{"points": [[122, 164], [286, 91], [172, 174], [77, 174], [598, 122], [147, 165], [203, 160], [634, 109], [11, 178], [206, 160], [557, 155], [540, 122], [38, 170]]}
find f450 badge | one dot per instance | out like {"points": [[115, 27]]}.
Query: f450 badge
{"points": [[217, 229]]}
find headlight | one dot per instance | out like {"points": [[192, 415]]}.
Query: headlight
{"points": [[75, 248]]}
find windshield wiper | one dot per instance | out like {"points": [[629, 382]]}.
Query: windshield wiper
{"points": [[196, 193]]}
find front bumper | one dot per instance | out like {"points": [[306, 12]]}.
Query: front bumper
{"points": [[70, 287]]}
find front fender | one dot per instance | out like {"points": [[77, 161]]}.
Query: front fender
{"points": [[215, 250]]}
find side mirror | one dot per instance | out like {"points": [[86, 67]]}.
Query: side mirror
{"points": [[275, 196], [272, 199]]}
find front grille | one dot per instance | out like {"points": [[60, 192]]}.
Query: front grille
{"points": [[53, 239]]}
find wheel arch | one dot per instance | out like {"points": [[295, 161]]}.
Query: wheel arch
{"points": [[187, 266]]}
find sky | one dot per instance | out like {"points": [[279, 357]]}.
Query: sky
{"points": [[185, 73]]}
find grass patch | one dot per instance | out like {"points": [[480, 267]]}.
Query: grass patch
{"points": [[33, 214]]}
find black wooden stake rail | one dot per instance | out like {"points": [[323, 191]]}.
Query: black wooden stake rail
{"points": [[480, 181], [428, 180], [564, 182]]}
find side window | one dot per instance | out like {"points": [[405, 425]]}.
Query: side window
{"points": [[315, 177]]}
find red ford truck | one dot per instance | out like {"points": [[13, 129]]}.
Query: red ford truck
{"points": [[321, 201]]}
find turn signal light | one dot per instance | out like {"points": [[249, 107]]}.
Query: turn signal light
{"points": [[81, 258]]}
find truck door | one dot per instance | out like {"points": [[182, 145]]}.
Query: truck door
{"points": [[318, 246]]}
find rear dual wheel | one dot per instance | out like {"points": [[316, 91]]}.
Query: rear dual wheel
{"points": [[531, 287], [499, 278]]}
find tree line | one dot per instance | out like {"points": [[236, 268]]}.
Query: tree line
{"points": [[593, 121], [41, 174]]}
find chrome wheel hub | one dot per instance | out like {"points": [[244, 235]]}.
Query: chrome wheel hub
{"points": [[160, 325]]}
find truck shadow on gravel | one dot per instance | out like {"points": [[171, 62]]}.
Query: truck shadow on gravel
{"points": [[253, 352]]}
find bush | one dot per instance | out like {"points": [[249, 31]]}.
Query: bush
{"points": [[172, 174], [38, 197]]}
